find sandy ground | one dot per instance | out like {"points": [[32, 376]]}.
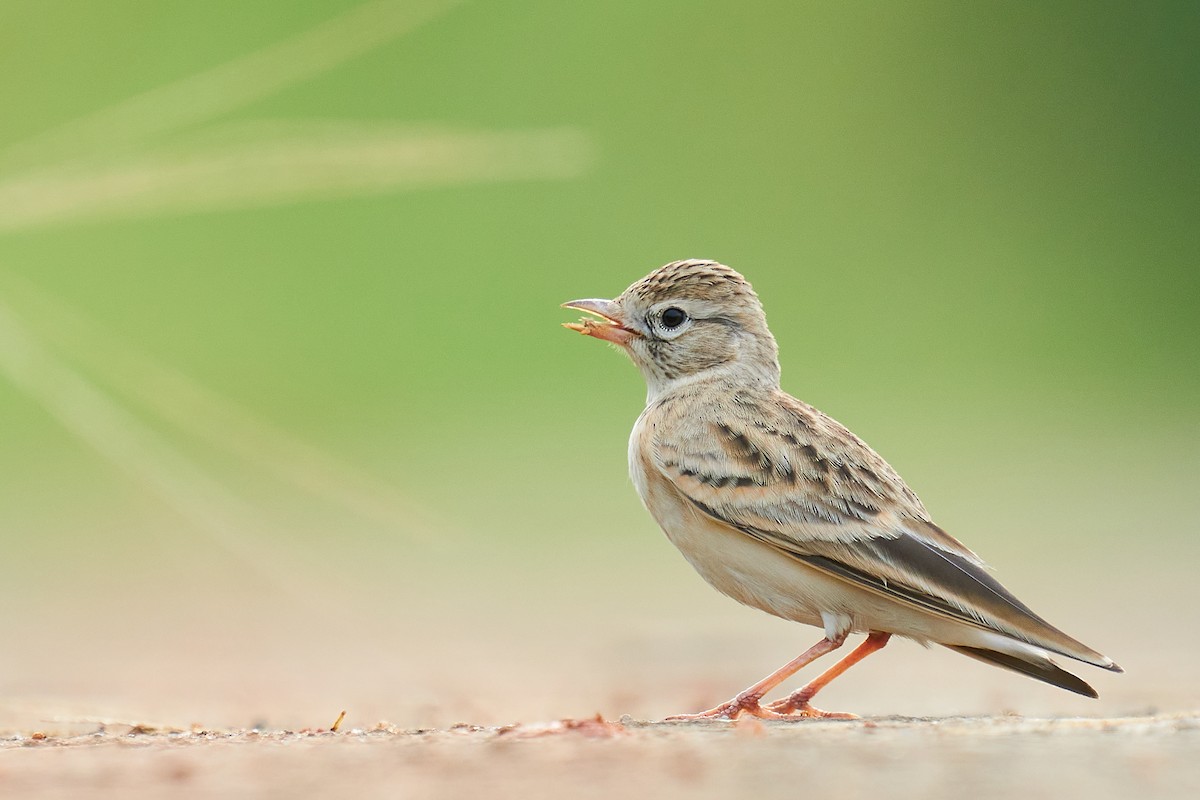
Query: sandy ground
{"points": [[985, 757], [457, 685]]}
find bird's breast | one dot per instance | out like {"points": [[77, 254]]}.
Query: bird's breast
{"points": [[731, 562]]}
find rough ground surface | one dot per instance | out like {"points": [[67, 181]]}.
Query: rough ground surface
{"points": [[220, 691], [1132, 757]]}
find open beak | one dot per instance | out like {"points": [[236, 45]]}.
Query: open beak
{"points": [[609, 324]]}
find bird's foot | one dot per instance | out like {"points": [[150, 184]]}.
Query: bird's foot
{"points": [[742, 704], [798, 707]]}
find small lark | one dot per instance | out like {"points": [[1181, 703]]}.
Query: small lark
{"points": [[783, 509]]}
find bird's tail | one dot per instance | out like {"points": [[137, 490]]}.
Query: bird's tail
{"points": [[1043, 669]]}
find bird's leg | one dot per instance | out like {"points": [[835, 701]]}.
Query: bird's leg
{"points": [[797, 703], [747, 701]]}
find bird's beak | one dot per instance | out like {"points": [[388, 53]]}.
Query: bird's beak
{"points": [[610, 326]]}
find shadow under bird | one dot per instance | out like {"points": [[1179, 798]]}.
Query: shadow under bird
{"points": [[782, 508]]}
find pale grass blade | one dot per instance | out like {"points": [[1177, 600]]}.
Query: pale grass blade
{"points": [[143, 455], [207, 95], [291, 166], [218, 421]]}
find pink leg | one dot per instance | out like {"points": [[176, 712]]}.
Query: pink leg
{"points": [[747, 701], [797, 703]]}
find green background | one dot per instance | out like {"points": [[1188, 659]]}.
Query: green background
{"points": [[973, 226]]}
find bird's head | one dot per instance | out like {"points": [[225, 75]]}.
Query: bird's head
{"points": [[683, 320]]}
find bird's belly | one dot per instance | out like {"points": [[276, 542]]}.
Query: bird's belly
{"points": [[753, 573]]}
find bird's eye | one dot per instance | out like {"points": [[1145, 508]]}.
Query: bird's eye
{"points": [[673, 317]]}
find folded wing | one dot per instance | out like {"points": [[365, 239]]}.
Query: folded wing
{"points": [[795, 479]]}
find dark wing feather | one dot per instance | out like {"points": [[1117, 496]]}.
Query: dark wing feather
{"points": [[1044, 671]]}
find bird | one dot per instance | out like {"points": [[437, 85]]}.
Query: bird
{"points": [[782, 508]]}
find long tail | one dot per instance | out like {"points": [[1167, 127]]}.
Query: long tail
{"points": [[1045, 670]]}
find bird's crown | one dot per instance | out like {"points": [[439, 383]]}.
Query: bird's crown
{"points": [[691, 278]]}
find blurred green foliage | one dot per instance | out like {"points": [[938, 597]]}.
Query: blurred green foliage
{"points": [[974, 227]]}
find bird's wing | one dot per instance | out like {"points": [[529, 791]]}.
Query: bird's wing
{"points": [[782, 472]]}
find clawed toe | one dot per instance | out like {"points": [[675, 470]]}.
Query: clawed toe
{"points": [[781, 710], [732, 710], [787, 709], [712, 713]]}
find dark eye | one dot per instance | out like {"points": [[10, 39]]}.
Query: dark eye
{"points": [[673, 317]]}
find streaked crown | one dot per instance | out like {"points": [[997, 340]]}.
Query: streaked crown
{"points": [[695, 279]]}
